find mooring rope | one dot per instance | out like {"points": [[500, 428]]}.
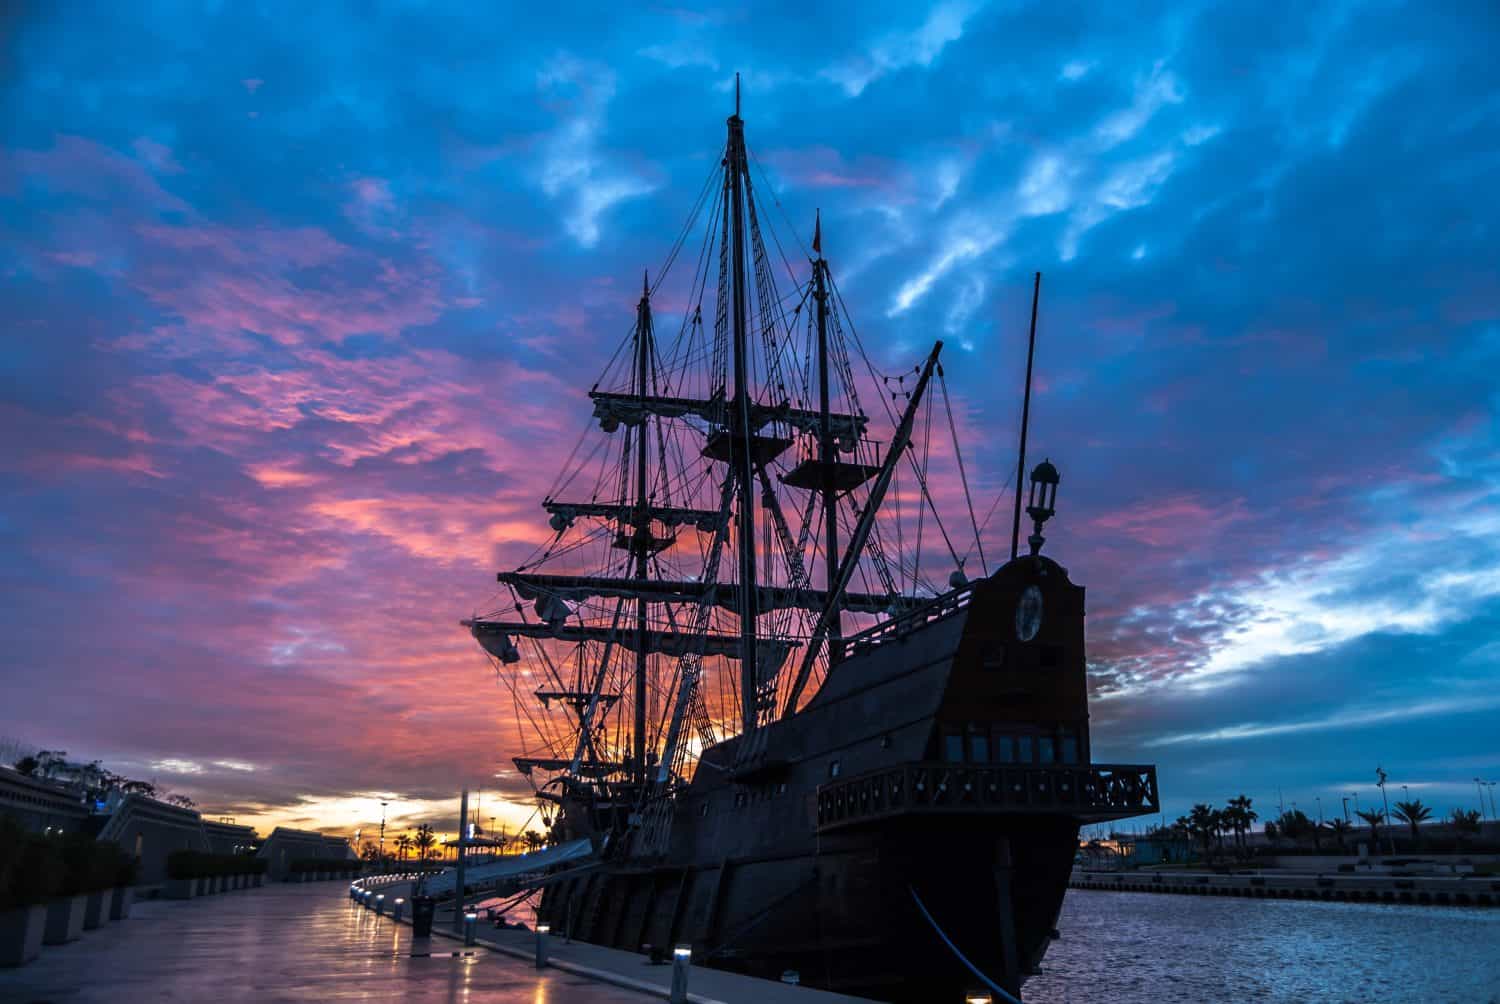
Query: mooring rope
{"points": [[957, 954]]}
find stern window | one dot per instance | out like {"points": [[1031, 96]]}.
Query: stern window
{"points": [[1005, 748], [979, 744], [1045, 749], [953, 745], [1069, 746]]}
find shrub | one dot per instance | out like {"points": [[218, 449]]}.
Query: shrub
{"points": [[182, 864], [31, 868], [89, 865], [199, 864]]}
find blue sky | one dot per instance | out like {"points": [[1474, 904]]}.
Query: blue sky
{"points": [[294, 295]]}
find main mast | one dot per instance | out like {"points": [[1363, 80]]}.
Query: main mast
{"points": [[641, 540], [741, 430]]}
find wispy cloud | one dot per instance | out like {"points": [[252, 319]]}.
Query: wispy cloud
{"points": [[898, 50], [573, 166]]}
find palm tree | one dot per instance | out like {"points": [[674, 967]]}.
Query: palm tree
{"points": [[1339, 828], [1465, 822], [1240, 817], [533, 840], [425, 840], [1202, 822], [1412, 813], [1374, 818], [403, 844], [1294, 825]]}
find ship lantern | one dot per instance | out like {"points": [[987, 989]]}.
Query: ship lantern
{"points": [[1043, 502], [560, 521]]}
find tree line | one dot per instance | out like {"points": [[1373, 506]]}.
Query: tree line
{"points": [[1208, 827]]}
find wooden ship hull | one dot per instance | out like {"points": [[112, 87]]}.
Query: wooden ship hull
{"points": [[932, 789]]}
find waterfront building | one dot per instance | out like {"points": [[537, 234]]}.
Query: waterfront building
{"points": [[286, 845]]}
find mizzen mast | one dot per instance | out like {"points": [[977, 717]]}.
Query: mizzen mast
{"points": [[826, 455]]}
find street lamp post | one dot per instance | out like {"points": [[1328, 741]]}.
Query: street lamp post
{"points": [[1478, 786], [382, 834], [1346, 808], [1491, 785], [1380, 783]]}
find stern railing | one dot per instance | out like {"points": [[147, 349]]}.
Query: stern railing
{"points": [[1088, 792]]}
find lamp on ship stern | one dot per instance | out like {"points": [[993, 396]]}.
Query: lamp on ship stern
{"points": [[1042, 507]]}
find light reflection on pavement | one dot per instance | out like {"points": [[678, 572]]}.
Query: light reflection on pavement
{"points": [[282, 943]]}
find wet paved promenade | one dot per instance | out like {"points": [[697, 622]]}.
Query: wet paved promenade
{"points": [[281, 943]]}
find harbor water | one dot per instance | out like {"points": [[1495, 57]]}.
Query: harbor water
{"points": [[1121, 948]]}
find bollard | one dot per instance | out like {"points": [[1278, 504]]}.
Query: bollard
{"points": [[471, 921], [682, 957], [380, 905], [396, 909], [542, 930]]}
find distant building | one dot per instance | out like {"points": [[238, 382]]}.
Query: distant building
{"points": [[1157, 849], [286, 845], [151, 831], [230, 838], [40, 805]]}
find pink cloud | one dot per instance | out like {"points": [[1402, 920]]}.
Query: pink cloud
{"points": [[228, 280], [91, 171], [824, 167], [1174, 523]]}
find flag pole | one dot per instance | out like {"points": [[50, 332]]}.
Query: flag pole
{"points": [[1015, 529]]}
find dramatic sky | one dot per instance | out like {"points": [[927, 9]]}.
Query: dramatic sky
{"points": [[300, 304]]}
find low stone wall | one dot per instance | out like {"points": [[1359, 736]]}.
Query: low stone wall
{"points": [[1424, 890], [1331, 862]]}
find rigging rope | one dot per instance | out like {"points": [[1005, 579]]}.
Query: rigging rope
{"points": [[962, 474]]}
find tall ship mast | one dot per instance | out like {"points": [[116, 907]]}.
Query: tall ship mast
{"points": [[757, 724]]}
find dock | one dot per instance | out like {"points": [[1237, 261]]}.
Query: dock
{"points": [[625, 970], [307, 942]]}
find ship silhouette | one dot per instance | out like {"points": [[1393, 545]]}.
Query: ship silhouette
{"points": [[759, 727]]}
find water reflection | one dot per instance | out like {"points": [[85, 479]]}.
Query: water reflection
{"points": [[1125, 947]]}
